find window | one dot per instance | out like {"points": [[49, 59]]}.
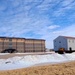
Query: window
{"points": [[55, 41], [1, 39], [10, 43], [59, 41], [73, 41], [55, 46], [10, 39], [69, 40]]}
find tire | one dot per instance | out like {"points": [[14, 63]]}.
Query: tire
{"points": [[60, 52], [6, 52], [56, 51]]}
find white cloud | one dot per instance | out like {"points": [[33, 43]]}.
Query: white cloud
{"points": [[53, 26], [69, 30], [64, 6], [66, 3]]}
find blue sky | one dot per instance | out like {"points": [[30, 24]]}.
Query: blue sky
{"points": [[39, 19]]}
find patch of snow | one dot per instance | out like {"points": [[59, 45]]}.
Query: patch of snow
{"points": [[30, 60], [4, 53]]}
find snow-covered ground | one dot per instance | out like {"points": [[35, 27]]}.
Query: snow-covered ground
{"points": [[31, 60], [4, 53]]}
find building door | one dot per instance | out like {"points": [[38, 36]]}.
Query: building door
{"points": [[70, 49]]}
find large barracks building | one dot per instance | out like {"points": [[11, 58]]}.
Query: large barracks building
{"points": [[13, 44]]}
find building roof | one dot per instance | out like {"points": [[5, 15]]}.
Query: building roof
{"points": [[69, 37], [12, 37], [35, 39], [21, 38]]}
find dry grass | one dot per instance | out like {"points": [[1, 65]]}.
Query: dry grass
{"points": [[56, 69]]}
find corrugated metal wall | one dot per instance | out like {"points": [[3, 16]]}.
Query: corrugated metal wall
{"points": [[22, 45]]}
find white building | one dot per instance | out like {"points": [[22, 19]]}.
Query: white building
{"points": [[68, 43]]}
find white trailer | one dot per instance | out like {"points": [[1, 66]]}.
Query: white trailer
{"points": [[64, 44]]}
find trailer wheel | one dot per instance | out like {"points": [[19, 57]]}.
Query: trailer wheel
{"points": [[6, 52], [56, 51], [60, 52]]}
